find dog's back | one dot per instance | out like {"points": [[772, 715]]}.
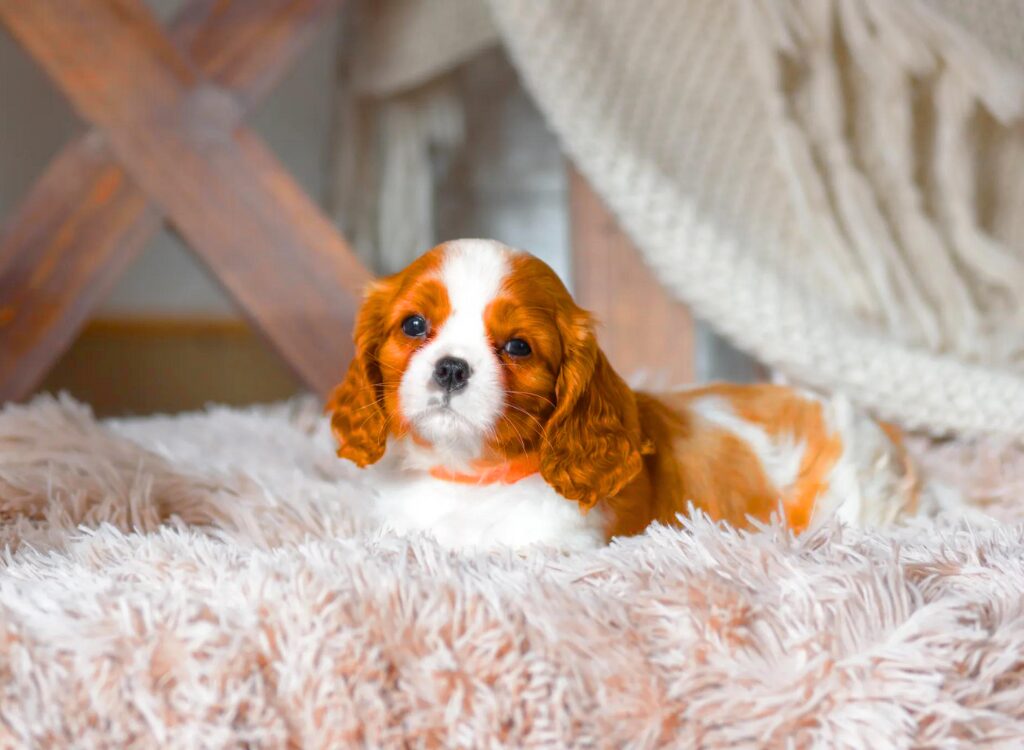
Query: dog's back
{"points": [[746, 451]]}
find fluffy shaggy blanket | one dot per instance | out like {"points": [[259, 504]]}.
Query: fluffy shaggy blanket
{"points": [[210, 580]]}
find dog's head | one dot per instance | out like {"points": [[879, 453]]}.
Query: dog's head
{"points": [[476, 351]]}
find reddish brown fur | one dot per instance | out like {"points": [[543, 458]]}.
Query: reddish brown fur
{"points": [[719, 473], [569, 412], [569, 403], [364, 406]]}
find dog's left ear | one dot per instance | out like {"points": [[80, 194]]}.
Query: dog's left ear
{"points": [[592, 441]]}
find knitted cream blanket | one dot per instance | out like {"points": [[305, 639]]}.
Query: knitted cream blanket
{"points": [[833, 184], [836, 185]]}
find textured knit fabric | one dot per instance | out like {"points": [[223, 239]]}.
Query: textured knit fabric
{"points": [[833, 184]]}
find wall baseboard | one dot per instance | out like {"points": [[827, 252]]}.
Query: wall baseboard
{"points": [[142, 365]]}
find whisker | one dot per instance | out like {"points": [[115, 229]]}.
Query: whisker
{"points": [[384, 427], [384, 364], [376, 402], [534, 395], [540, 425], [522, 442], [511, 424], [523, 411]]}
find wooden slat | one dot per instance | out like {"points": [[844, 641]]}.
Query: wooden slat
{"points": [[171, 134], [247, 46], [40, 322], [643, 329], [81, 225]]}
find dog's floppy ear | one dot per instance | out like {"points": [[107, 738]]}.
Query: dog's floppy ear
{"points": [[592, 441], [356, 405]]}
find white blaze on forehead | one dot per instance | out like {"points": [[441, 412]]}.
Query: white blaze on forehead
{"points": [[473, 271]]}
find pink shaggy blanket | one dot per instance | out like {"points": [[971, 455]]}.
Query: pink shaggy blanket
{"points": [[210, 580]]}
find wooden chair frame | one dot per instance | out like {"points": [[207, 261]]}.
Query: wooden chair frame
{"points": [[168, 143]]}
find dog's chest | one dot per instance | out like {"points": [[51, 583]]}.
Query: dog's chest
{"points": [[528, 512]]}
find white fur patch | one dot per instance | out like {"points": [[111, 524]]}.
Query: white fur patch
{"points": [[780, 456], [472, 272], [464, 516], [866, 486], [866, 482]]}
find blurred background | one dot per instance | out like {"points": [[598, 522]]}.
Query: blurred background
{"points": [[168, 337], [193, 192]]}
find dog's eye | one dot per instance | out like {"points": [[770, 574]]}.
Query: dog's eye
{"points": [[517, 348], [414, 326]]}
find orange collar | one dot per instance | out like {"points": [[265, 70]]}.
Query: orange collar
{"points": [[492, 472]]}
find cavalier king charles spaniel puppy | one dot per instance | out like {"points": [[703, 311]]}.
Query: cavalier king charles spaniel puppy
{"points": [[488, 415]]}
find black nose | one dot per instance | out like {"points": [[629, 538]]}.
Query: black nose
{"points": [[451, 373]]}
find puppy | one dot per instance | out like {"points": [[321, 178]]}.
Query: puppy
{"points": [[488, 415]]}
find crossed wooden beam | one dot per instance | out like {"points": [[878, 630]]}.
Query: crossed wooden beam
{"points": [[168, 144]]}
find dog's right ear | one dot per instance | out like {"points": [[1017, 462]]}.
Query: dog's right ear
{"points": [[356, 405]]}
